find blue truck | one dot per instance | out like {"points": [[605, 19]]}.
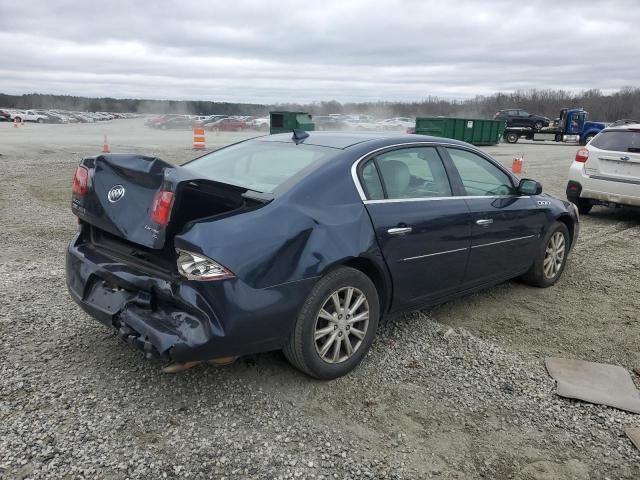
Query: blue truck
{"points": [[572, 126]]}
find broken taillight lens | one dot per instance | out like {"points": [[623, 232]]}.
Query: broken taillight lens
{"points": [[582, 155], [80, 181], [194, 266], [161, 208]]}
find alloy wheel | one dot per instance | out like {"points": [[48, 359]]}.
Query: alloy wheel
{"points": [[554, 255], [341, 325]]}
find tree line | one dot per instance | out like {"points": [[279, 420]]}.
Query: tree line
{"points": [[624, 103]]}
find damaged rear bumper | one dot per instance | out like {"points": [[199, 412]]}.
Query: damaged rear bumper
{"points": [[177, 319]]}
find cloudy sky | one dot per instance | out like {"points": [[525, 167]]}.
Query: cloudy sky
{"points": [[276, 51]]}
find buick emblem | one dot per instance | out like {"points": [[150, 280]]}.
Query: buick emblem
{"points": [[116, 193]]}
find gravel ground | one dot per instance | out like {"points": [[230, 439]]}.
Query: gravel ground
{"points": [[458, 391]]}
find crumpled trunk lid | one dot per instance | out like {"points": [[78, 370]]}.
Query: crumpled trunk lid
{"points": [[121, 192]]}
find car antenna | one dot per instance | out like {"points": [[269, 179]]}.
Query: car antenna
{"points": [[299, 135]]}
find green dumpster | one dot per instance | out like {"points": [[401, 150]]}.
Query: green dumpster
{"points": [[471, 130], [283, 122]]}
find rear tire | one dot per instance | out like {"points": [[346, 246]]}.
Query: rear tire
{"points": [[323, 342], [551, 259]]}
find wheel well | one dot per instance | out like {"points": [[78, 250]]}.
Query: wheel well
{"points": [[370, 269], [566, 219]]}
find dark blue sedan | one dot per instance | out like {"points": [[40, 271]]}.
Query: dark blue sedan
{"points": [[301, 242]]}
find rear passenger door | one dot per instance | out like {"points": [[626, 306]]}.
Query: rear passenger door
{"points": [[423, 232], [506, 226]]}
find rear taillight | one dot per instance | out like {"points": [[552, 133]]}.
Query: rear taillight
{"points": [[194, 266], [80, 181], [161, 208], [582, 155]]}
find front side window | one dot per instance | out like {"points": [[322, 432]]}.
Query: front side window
{"points": [[479, 176], [415, 172]]}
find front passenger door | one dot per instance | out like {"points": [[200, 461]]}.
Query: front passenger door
{"points": [[506, 227]]}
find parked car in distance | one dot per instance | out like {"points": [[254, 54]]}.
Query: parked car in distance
{"points": [[261, 123], [226, 125], [521, 118], [607, 170], [27, 116], [174, 122], [301, 242], [5, 116], [155, 122], [399, 123], [328, 122], [50, 116], [362, 123]]}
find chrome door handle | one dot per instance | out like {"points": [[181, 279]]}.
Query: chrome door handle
{"points": [[399, 230], [484, 221]]}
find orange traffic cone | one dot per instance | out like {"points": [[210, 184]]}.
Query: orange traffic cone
{"points": [[517, 165], [15, 123], [105, 146], [198, 138]]}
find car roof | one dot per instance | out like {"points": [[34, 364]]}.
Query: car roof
{"points": [[345, 140], [624, 126]]}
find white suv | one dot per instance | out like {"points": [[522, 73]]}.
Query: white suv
{"points": [[607, 170]]}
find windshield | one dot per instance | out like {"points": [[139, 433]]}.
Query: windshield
{"points": [[260, 166]]}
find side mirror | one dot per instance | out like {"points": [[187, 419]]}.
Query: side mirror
{"points": [[529, 187]]}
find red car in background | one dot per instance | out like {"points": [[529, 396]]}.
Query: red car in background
{"points": [[227, 125]]}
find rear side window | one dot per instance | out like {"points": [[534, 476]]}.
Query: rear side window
{"points": [[479, 176], [406, 173], [371, 181], [618, 141]]}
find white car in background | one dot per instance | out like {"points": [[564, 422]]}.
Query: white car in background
{"points": [[400, 123], [607, 170], [27, 116], [262, 123]]}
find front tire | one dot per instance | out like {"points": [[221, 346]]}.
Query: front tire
{"points": [[586, 139], [336, 325], [538, 125], [551, 259]]}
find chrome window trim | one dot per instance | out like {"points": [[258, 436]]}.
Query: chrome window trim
{"points": [[429, 199], [503, 241], [363, 197], [433, 254]]}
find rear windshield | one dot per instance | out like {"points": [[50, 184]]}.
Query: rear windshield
{"points": [[260, 166], [618, 141]]}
